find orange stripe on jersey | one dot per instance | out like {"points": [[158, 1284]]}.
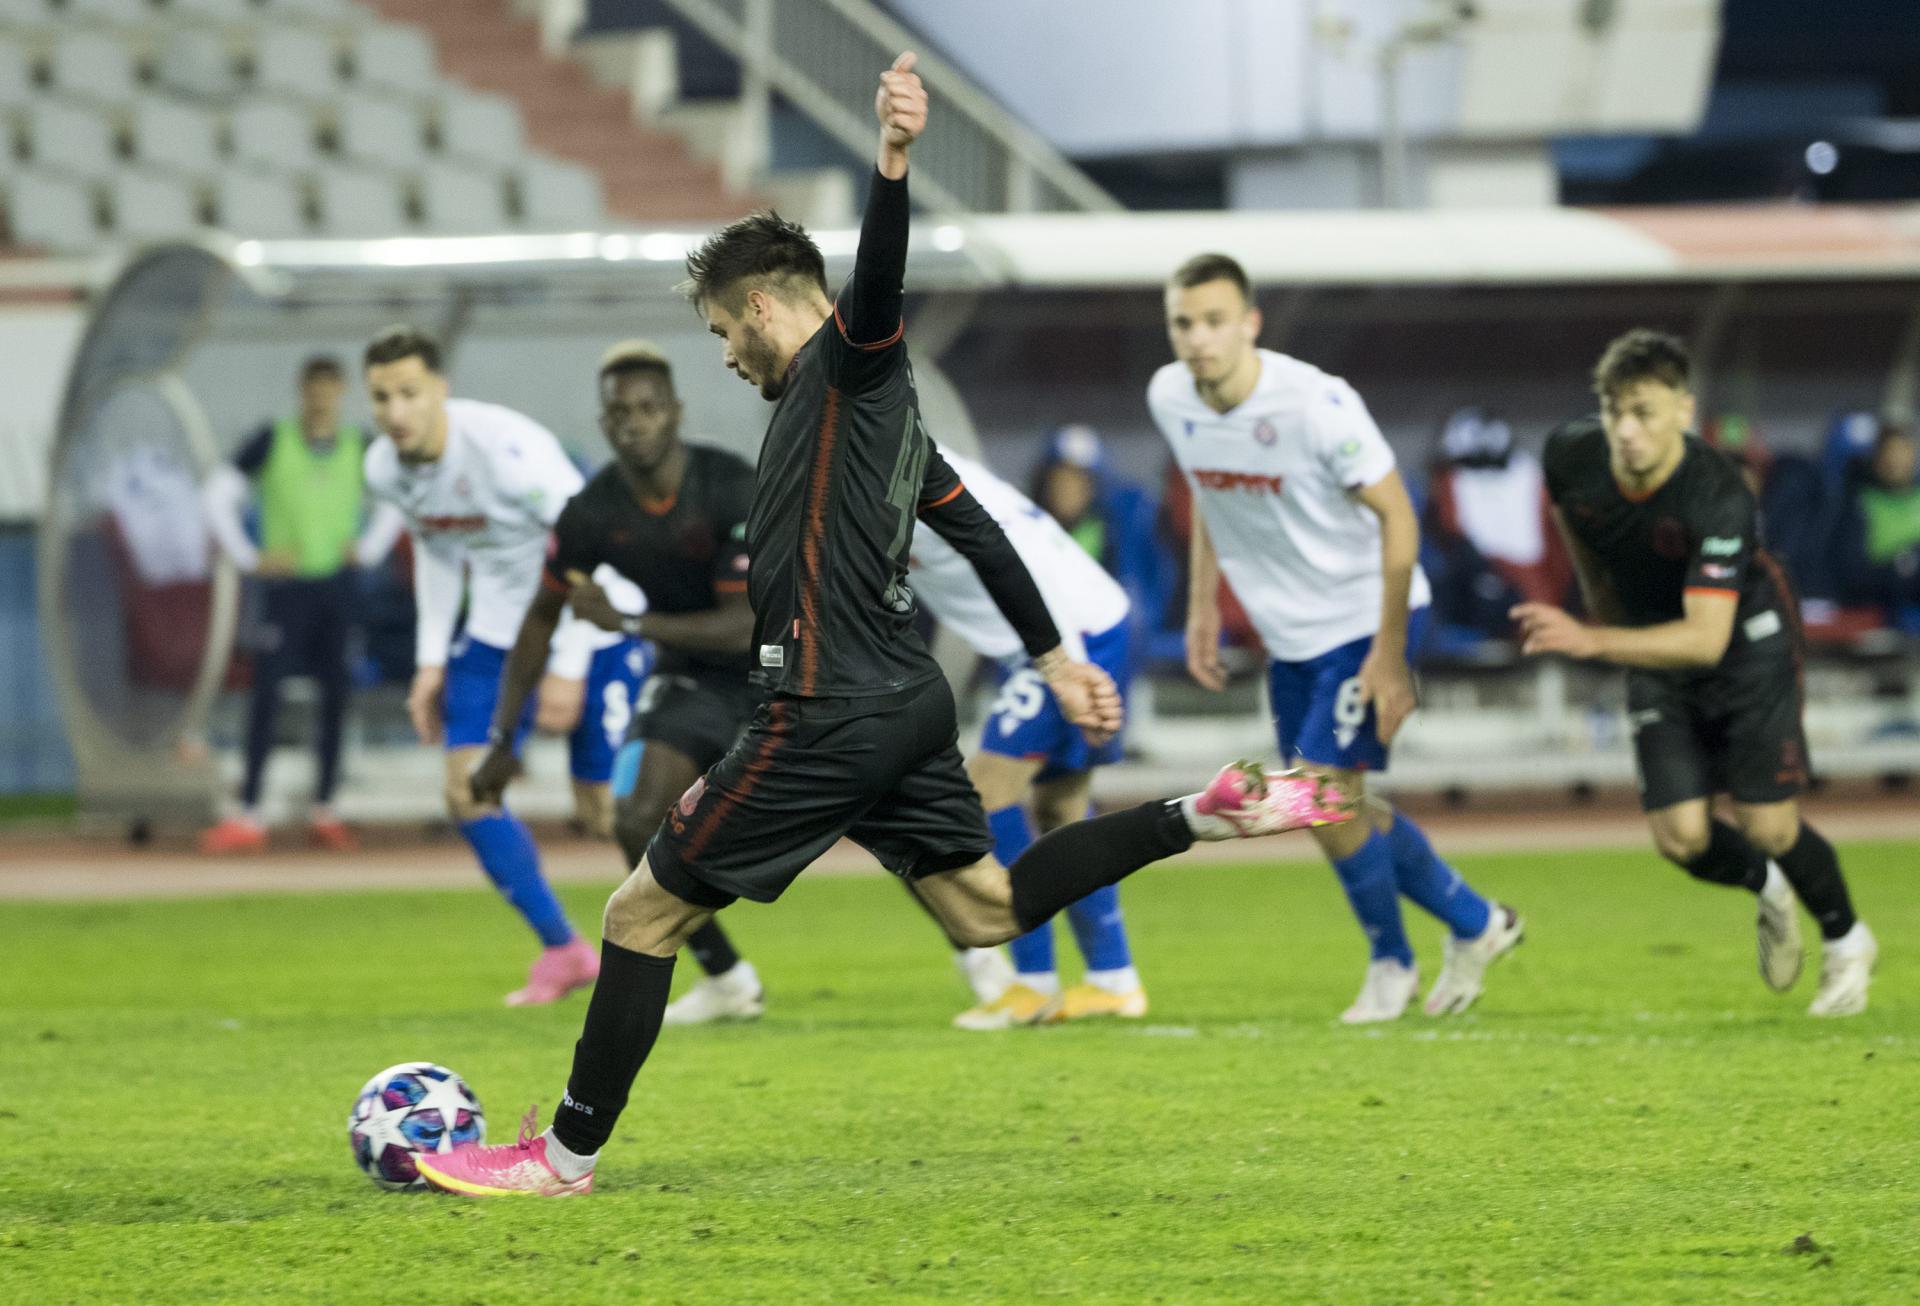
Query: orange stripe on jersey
{"points": [[1712, 589], [811, 539], [729, 587], [756, 767], [891, 340], [948, 497]]}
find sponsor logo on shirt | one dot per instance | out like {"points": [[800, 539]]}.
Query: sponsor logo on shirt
{"points": [[1257, 482], [1720, 546], [1717, 571], [448, 522]]}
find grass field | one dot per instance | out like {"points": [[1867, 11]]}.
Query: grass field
{"points": [[1628, 1116]]}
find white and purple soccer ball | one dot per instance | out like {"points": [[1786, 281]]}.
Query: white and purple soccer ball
{"points": [[412, 1107]]}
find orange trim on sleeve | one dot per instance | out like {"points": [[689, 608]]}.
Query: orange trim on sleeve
{"points": [[888, 343], [553, 584], [1712, 589], [948, 497], [729, 587]]}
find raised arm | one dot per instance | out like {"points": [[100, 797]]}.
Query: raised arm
{"points": [[869, 306]]}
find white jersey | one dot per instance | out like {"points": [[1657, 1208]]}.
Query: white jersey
{"points": [[1273, 480], [1082, 599], [486, 505]]}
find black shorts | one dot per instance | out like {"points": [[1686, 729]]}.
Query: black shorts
{"points": [[699, 714], [884, 772], [1735, 730]]}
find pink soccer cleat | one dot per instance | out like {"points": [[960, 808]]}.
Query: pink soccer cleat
{"points": [[515, 1170], [557, 972], [1244, 802]]}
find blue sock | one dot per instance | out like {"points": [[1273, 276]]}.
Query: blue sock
{"points": [[1012, 835], [1436, 886], [506, 852], [1100, 930], [1367, 876]]}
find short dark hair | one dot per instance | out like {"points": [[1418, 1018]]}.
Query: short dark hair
{"points": [[320, 365], [761, 247], [632, 357], [1202, 268], [402, 341], [1642, 355]]}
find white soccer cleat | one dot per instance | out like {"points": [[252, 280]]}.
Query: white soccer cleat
{"points": [[1465, 969], [1384, 995], [733, 995], [1845, 970], [1777, 932], [986, 970]]}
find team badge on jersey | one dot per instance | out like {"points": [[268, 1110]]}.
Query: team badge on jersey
{"points": [[1263, 432]]}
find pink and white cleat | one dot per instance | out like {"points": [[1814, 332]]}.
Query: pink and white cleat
{"points": [[557, 972], [1244, 802], [514, 1170]]}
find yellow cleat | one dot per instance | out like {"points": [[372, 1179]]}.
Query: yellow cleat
{"points": [[1019, 1005], [1085, 1001]]}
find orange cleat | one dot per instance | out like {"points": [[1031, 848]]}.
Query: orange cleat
{"points": [[330, 834], [234, 835]]}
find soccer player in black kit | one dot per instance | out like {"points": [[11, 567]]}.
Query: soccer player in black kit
{"points": [[858, 736], [671, 517], [1665, 538]]}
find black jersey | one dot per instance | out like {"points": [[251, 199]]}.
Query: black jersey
{"points": [[846, 468], [683, 556], [1699, 531]]}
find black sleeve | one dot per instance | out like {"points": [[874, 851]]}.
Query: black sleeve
{"points": [[1721, 520], [730, 560], [252, 455], [570, 546], [1558, 454], [946, 506], [868, 310]]}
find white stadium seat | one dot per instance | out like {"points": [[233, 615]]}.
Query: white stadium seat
{"points": [[395, 56], [94, 64], [478, 125], [262, 205], [360, 202], [148, 204], [298, 60], [174, 134], [224, 11], [196, 61], [330, 10], [25, 13], [277, 133], [374, 129], [16, 77], [555, 194], [76, 138], [455, 199], [126, 12], [50, 210]]}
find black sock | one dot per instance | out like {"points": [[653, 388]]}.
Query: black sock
{"points": [[712, 948], [1065, 866], [1814, 872], [623, 1020], [1730, 860]]}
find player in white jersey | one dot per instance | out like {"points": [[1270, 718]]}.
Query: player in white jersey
{"points": [[480, 486], [1297, 502]]}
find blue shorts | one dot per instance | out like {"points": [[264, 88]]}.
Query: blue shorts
{"points": [[614, 678], [1026, 722], [1318, 715], [472, 690]]}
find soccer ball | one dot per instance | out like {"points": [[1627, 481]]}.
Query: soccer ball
{"points": [[412, 1107]]}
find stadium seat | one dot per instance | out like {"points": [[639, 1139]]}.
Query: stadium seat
{"points": [[360, 202], [50, 210], [197, 61], [555, 194], [174, 134], [148, 204], [25, 12], [274, 132], [394, 56], [224, 11], [457, 199], [332, 10], [16, 78], [126, 12], [296, 59], [262, 205], [473, 125], [76, 138], [93, 64], [379, 130]]}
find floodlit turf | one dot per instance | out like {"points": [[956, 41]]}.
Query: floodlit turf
{"points": [[1628, 1116]]}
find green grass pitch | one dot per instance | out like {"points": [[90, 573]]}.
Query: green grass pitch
{"points": [[1627, 1116]]}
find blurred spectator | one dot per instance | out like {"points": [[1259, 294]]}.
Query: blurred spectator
{"points": [[1108, 516], [306, 470], [1490, 528], [1880, 542], [1736, 437]]}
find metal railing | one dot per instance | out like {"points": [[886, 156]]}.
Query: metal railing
{"points": [[824, 57]]}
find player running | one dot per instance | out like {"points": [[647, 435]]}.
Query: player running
{"points": [[1298, 502], [671, 518], [479, 486], [1666, 541], [857, 737]]}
